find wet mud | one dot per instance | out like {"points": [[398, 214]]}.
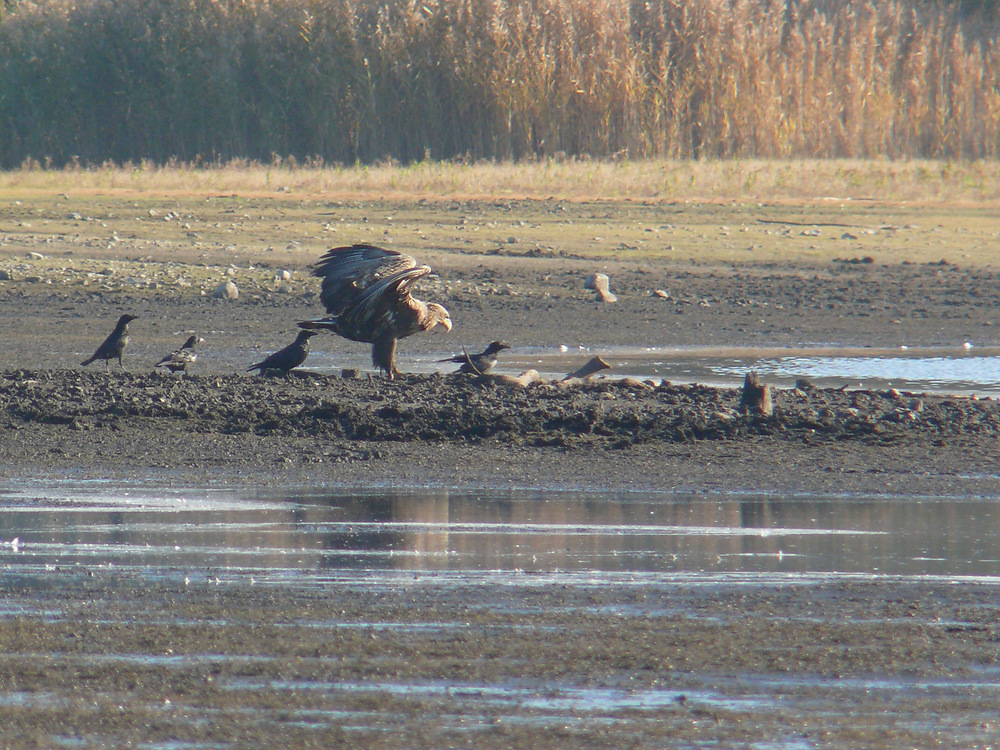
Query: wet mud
{"points": [[100, 656], [606, 413], [226, 658]]}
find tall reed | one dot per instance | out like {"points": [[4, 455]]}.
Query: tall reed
{"points": [[365, 80]]}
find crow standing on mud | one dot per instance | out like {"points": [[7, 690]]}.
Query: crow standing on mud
{"points": [[114, 344], [366, 291], [180, 359], [290, 357], [482, 363]]}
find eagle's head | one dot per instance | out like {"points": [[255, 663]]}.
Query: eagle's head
{"points": [[437, 314]]}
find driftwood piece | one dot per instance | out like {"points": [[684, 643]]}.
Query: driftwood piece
{"points": [[601, 284], [630, 382], [756, 398], [596, 364], [526, 378]]}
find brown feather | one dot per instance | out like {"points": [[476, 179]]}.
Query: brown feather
{"points": [[366, 291]]}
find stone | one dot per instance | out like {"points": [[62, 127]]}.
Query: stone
{"points": [[227, 291]]}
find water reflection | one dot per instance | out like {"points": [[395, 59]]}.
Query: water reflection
{"points": [[531, 532]]}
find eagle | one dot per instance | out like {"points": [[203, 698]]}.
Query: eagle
{"points": [[366, 291], [179, 360]]}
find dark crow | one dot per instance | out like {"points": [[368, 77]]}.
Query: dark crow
{"points": [[366, 291], [114, 344], [291, 356], [180, 359], [482, 363]]}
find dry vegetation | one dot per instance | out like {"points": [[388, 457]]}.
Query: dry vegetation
{"points": [[356, 80], [822, 182], [705, 211]]}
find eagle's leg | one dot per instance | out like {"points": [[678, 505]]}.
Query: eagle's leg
{"points": [[384, 356]]}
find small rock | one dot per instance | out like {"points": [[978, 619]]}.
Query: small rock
{"points": [[662, 294], [36, 256], [6, 275], [227, 291]]}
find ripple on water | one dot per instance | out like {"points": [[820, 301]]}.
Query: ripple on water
{"points": [[323, 537]]}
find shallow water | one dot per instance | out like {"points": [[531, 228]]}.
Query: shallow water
{"points": [[931, 370], [300, 535], [954, 369], [526, 571]]}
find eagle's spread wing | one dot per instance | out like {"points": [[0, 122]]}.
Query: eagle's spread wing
{"points": [[367, 289], [350, 273], [385, 308]]}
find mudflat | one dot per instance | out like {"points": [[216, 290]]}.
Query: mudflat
{"points": [[109, 659]]}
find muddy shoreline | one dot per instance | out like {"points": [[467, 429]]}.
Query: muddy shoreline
{"points": [[117, 655], [444, 429]]}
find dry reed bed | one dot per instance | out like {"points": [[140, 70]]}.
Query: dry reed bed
{"points": [[357, 80]]}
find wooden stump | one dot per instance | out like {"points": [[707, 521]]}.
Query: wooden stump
{"points": [[601, 284], [756, 397]]}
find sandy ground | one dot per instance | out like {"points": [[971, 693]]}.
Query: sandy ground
{"points": [[234, 654]]}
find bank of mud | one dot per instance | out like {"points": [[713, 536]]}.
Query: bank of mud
{"points": [[602, 412], [457, 430]]}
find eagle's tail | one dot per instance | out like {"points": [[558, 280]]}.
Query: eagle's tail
{"points": [[319, 325]]}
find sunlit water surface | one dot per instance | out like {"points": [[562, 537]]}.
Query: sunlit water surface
{"points": [[310, 536], [956, 369]]}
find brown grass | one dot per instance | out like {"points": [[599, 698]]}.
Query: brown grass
{"points": [[719, 212], [754, 180]]}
